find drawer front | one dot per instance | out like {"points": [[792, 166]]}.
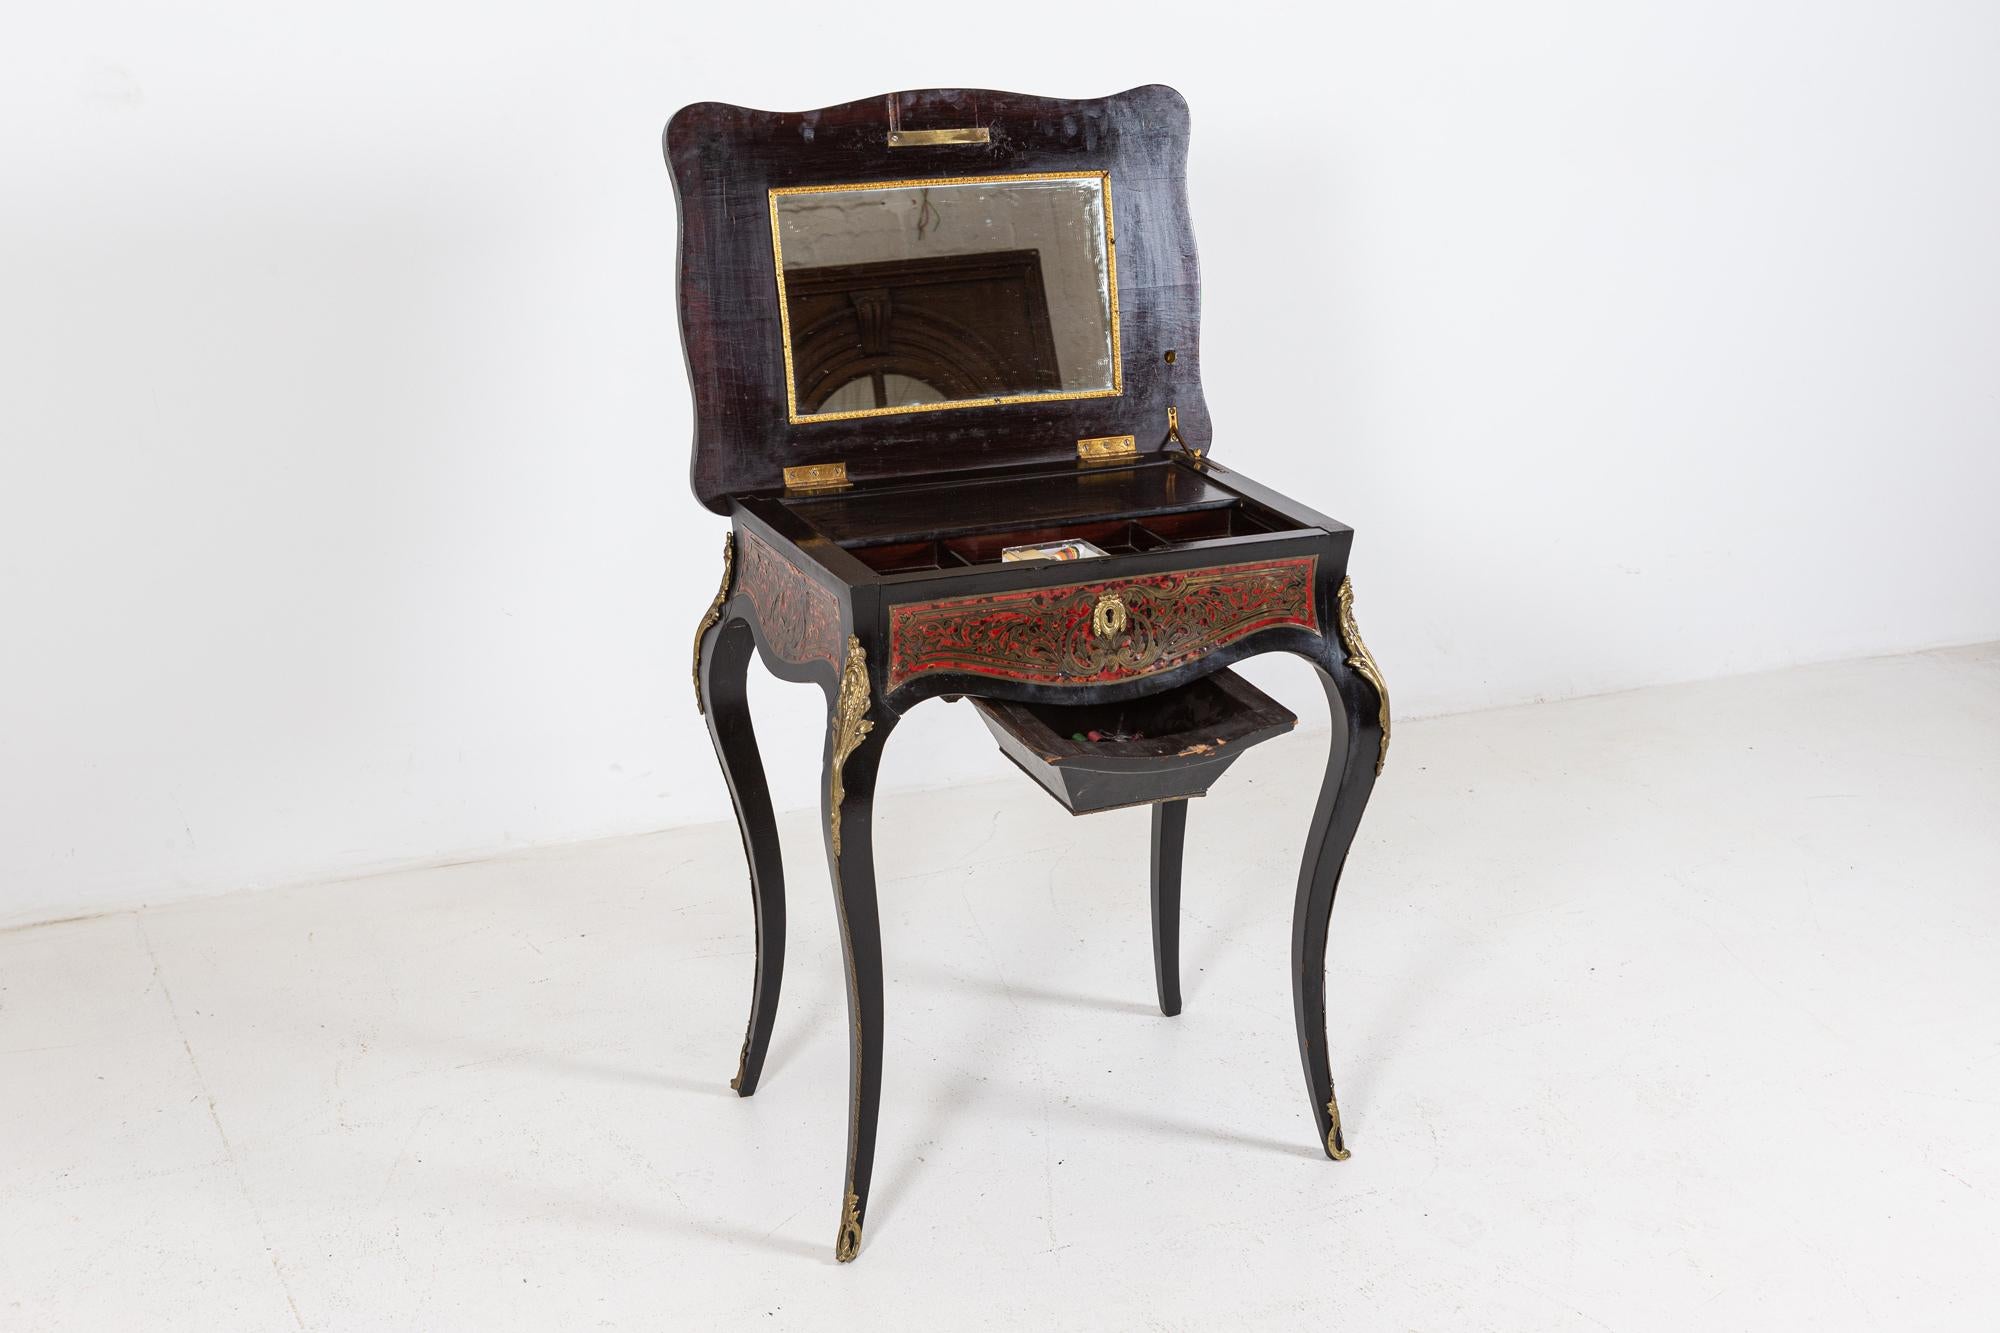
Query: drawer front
{"points": [[1111, 630]]}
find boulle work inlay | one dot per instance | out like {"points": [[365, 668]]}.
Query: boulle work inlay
{"points": [[1072, 633], [801, 619]]}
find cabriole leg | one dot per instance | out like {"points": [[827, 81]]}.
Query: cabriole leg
{"points": [[722, 667], [854, 755], [1360, 706], [1169, 835], [725, 671]]}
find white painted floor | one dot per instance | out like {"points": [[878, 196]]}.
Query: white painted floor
{"points": [[1675, 1009]]}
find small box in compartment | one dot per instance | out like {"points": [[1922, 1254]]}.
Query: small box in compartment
{"points": [[1069, 548], [1115, 538]]}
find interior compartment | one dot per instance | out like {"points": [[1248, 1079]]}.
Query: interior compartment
{"points": [[1116, 537], [964, 541], [1238, 520], [1167, 746], [870, 515], [900, 557]]}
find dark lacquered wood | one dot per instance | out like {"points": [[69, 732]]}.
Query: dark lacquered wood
{"points": [[726, 159], [853, 872], [725, 664], [1169, 834], [1343, 796]]}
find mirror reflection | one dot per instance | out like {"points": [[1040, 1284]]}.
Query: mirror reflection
{"points": [[913, 296]]}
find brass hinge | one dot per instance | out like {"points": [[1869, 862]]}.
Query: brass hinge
{"points": [[816, 477], [1103, 447], [1176, 441]]}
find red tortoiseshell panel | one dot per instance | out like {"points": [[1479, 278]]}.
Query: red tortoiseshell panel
{"points": [[800, 618], [1046, 635]]}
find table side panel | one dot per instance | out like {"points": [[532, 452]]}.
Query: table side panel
{"points": [[799, 616]]}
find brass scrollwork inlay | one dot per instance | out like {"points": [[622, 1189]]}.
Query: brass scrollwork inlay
{"points": [[1109, 617], [1049, 635], [714, 612], [850, 724], [1359, 658], [1336, 1147], [848, 1243]]}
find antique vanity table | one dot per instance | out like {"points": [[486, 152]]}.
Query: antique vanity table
{"points": [[924, 329]]}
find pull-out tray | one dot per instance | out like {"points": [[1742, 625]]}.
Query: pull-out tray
{"points": [[1181, 741]]}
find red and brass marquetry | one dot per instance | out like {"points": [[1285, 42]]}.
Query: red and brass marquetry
{"points": [[800, 618], [1093, 633]]}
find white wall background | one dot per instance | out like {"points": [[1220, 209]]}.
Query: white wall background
{"points": [[343, 428]]}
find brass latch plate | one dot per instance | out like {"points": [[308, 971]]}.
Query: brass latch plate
{"points": [[899, 138], [816, 477]]}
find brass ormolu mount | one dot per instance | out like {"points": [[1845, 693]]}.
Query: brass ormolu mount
{"points": [[714, 612], [848, 1243], [742, 1064], [1336, 1146], [850, 724], [1362, 661], [1110, 616]]}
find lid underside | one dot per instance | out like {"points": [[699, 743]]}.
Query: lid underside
{"points": [[966, 338]]}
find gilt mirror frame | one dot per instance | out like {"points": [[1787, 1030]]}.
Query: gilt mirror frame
{"points": [[725, 160], [1108, 237]]}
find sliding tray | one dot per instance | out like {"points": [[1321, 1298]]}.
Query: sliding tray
{"points": [[1164, 747]]}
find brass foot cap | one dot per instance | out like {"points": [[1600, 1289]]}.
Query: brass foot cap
{"points": [[847, 1244], [1336, 1146]]}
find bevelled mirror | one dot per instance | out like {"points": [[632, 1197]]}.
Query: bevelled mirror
{"points": [[921, 295]]}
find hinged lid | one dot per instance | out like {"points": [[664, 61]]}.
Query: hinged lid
{"points": [[932, 282]]}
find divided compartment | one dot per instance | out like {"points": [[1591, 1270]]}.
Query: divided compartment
{"points": [[1113, 536], [1186, 738]]}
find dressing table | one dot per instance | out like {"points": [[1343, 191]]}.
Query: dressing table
{"points": [[947, 391]]}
